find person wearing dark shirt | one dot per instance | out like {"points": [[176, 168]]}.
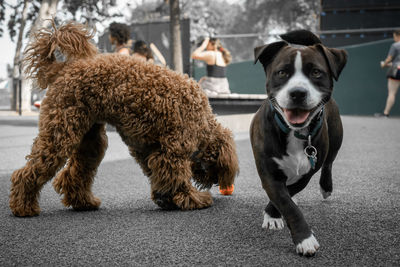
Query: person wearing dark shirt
{"points": [[217, 58]]}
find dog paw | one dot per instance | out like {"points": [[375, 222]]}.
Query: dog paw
{"points": [[193, 200], [23, 208], [324, 193], [272, 223], [308, 247], [25, 211], [164, 201], [92, 204]]}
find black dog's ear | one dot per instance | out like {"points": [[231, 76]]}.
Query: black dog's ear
{"points": [[336, 59], [301, 37], [266, 53]]}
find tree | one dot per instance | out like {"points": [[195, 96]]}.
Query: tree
{"points": [[260, 20], [2, 15], [149, 11], [210, 17], [17, 58], [18, 20], [36, 14], [175, 30], [91, 11], [47, 10], [272, 16]]}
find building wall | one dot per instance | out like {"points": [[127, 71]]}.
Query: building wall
{"points": [[344, 22]]}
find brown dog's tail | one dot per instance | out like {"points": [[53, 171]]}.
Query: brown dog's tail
{"points": [[52, 48]]}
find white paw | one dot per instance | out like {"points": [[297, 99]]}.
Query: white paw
{"points": [[272, 223], [325, 194], [308, 246]]}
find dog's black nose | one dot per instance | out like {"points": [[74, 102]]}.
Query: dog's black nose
{"points": [[298, 94]]}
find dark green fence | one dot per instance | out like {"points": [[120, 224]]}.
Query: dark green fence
{"points": [[361, 89]]}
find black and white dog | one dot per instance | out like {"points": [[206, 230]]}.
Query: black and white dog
{"points": [[298, 129]]}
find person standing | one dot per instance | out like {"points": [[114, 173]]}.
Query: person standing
{"points": [[217, 58], [393, 62], [119, 36]]}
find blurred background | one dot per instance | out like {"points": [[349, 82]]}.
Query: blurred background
{"points": [[362, 27]]}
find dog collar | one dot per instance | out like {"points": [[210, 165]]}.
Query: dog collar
{"points": [[310, 151], [313, 130]]}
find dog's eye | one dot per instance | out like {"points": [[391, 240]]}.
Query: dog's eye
{"points": [[282, 74], [315, 73]]}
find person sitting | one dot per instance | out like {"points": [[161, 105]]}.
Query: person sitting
{"points": [[141, 50], [217, 58], [119, 36]]}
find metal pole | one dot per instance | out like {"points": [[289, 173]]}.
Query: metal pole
{"points": [[14, 99], [237, 35], [20, 95]]}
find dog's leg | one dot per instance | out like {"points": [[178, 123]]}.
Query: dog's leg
{"points": [[325, 181], [190, 198], [76, 180], [335, 132], [303, 238], [26, 183], [170, 183], [60, 133], [142, 157], [272, 218]]}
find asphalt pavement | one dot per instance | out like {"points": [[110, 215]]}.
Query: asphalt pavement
{"points": [[357, 226]]}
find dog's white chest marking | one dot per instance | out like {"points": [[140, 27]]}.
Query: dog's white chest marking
{"points": [[296, 163]]}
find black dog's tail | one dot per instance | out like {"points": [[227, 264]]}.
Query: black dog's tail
{"points": [[51, 48], [301, 37]]}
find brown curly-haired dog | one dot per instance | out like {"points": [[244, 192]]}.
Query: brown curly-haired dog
{"points": [[163, 117]]}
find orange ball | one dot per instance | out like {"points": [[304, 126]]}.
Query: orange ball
{"points": [[227, 191]]}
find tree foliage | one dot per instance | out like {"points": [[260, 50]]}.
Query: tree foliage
{"points": [[2, 16], [149, 11], [210, 17], [14, 21], [263, 18], [89, 11]]}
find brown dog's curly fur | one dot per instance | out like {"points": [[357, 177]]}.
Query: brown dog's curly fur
{"points": [[163, 117]]}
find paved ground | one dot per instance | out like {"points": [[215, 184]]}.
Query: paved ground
{"points": [[357, 226]]}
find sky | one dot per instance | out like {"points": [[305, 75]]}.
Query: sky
{"points": [[7, 50]]}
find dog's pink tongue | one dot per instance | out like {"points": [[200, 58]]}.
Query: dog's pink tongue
{"points": [[296, 116]]}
